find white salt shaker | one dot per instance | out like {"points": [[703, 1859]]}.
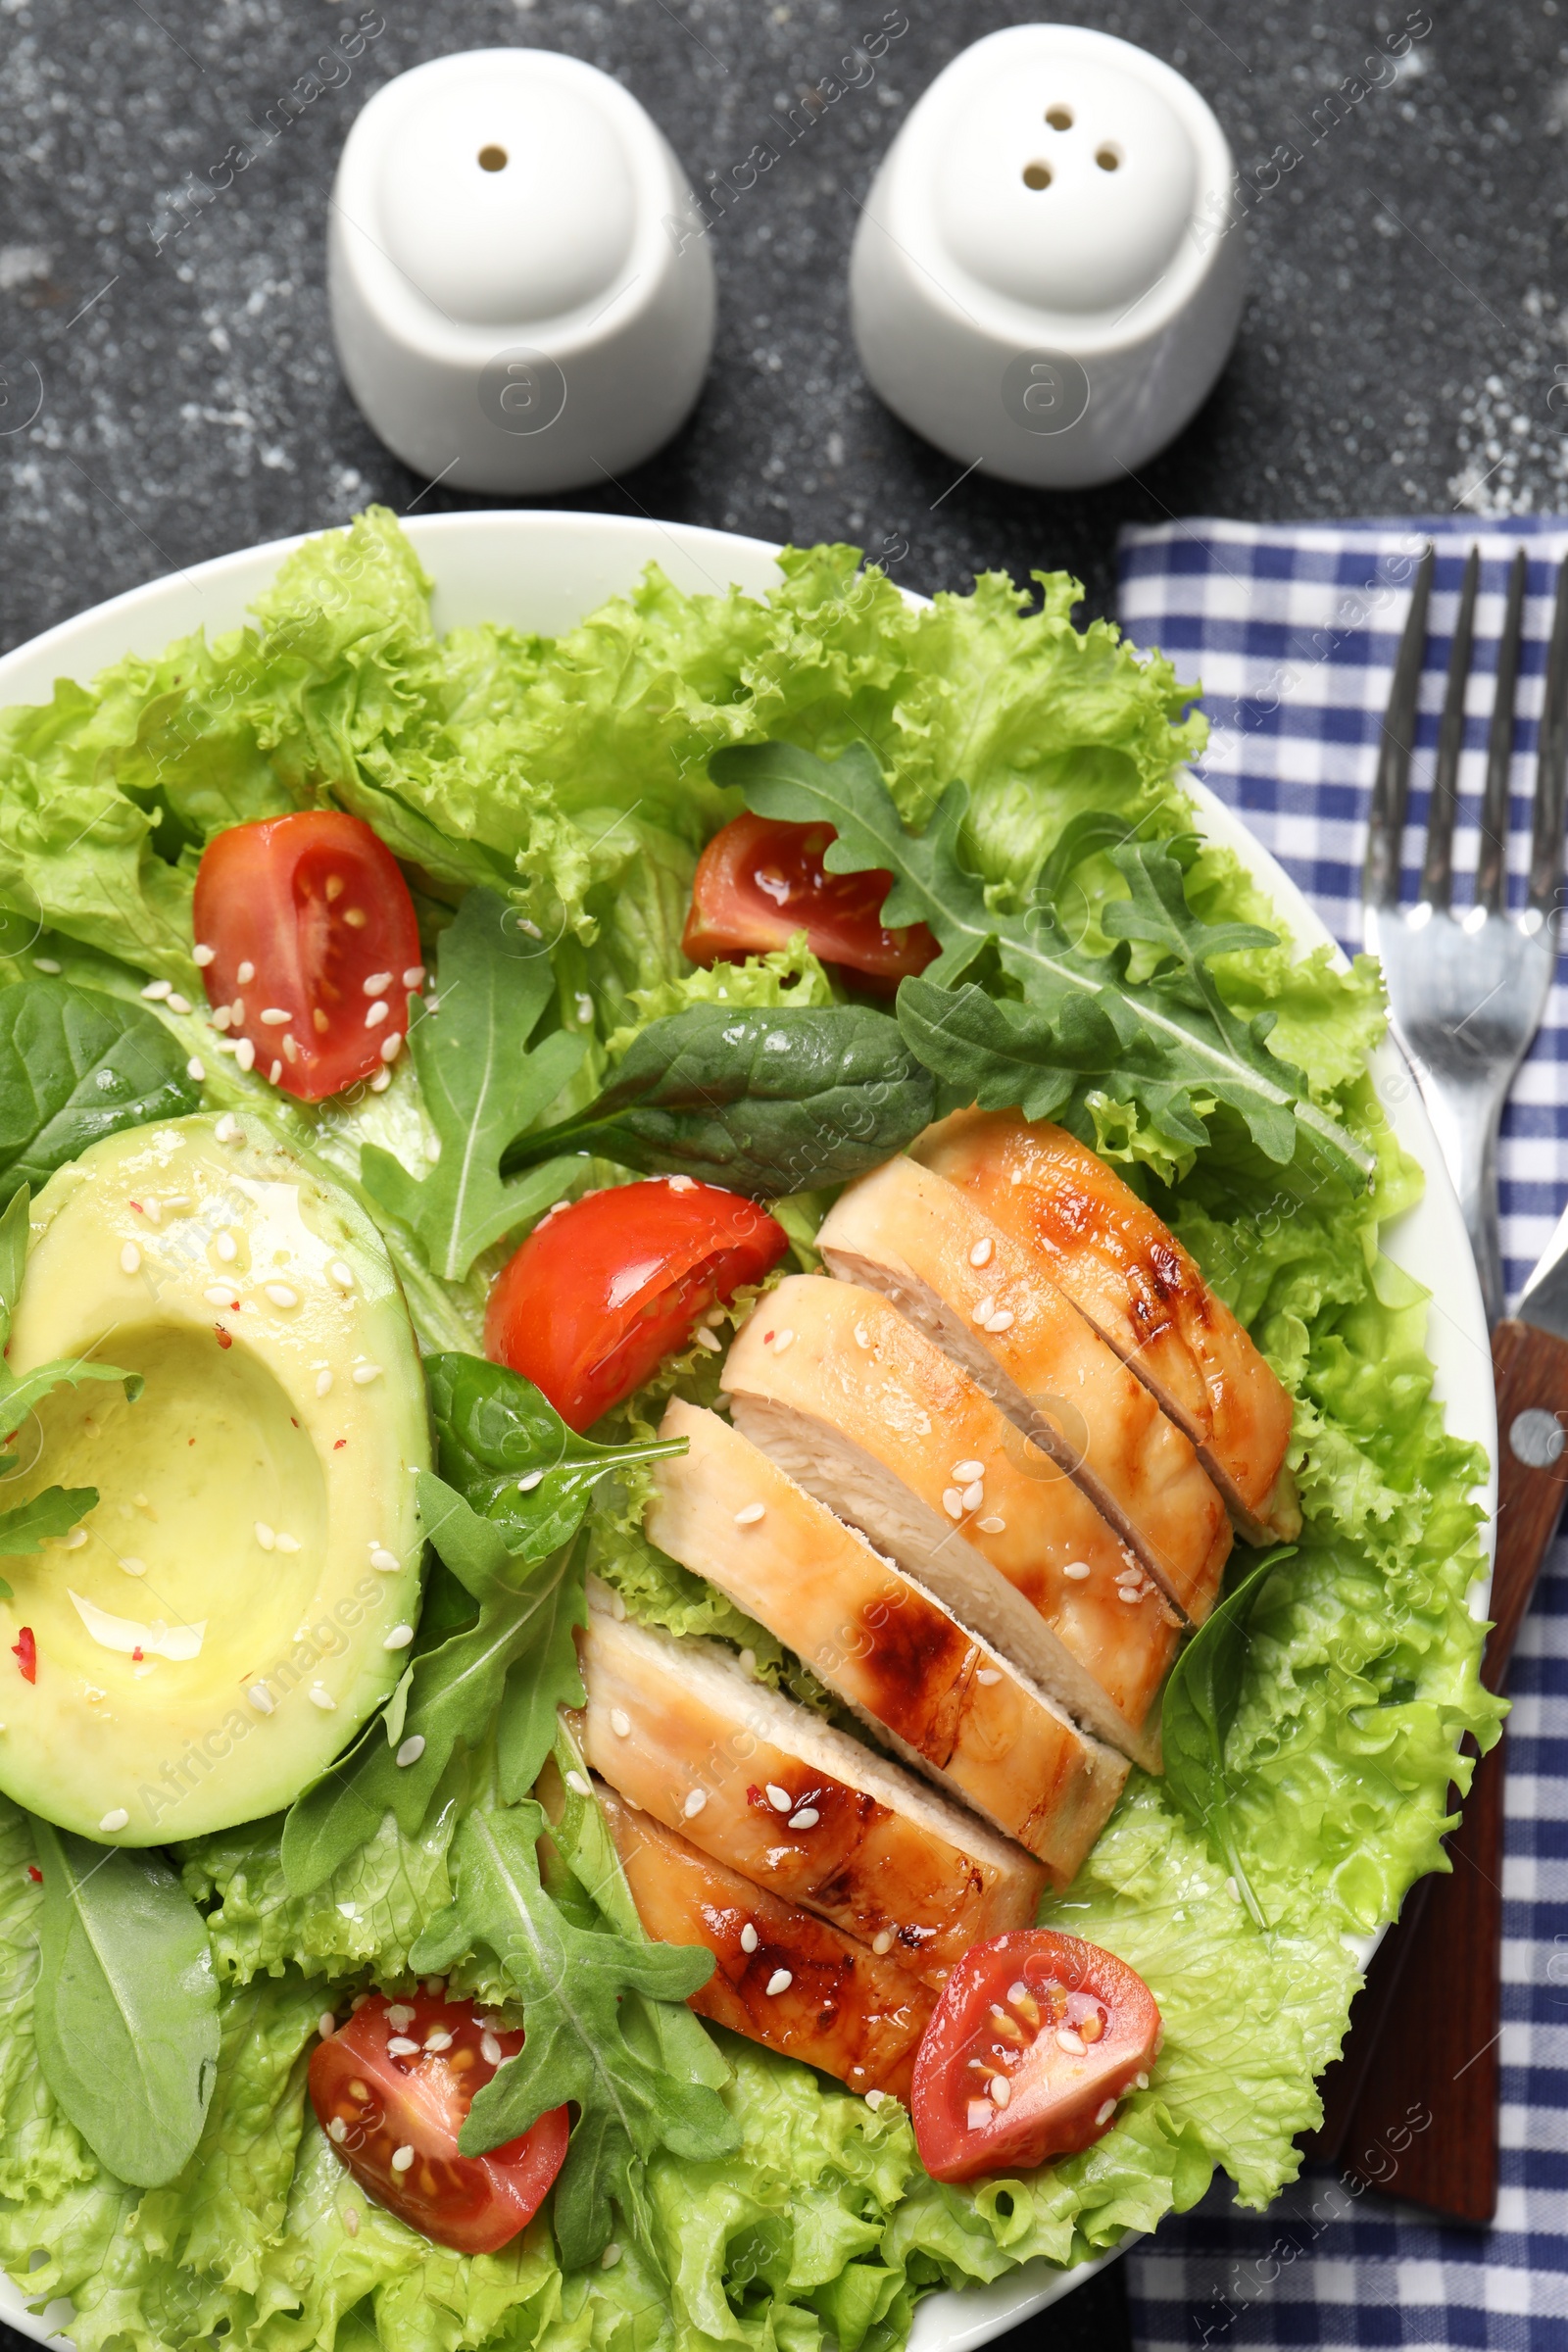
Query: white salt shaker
{"points": [[1045, 281], [518, 303]]}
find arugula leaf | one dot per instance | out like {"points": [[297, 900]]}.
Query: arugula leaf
{"points": [[127, 2004], [571, 1982], [453, 1693], [19, 1395], [495, 1429], [1195, 1716], [54, 1513], [77, 1065], [766, 1101], [1167, 1043], [481, 1086]]}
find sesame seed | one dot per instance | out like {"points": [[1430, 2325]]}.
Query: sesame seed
{"points": [[399, 1638], [779, 1981], [1140, 2082], [75, 1539], [322, 1697], [177, 1003], [964, 1472], [750, 1515], [412, 1750], [745, 1660], [413, 976], [683, 1184], [437, 2041], [1077, 1570], [621, 1723], [129, 1259], [952, 1503], [973, 1495], [781, 1341], [203, 957], [579, 1784], [980, 1255], [1074, 2043], [274, 1073], [236, 1012], [1000, 2089], [156, 990], [287, 1542], [363, 1374], [779, 1798], [280, 1295], [377, 984], [400, 2045], [980, 2112], [882, 1942], [46, 964], [130, 1564], [400, 2017], [228, 1247], [991, 1525], [245, 1053], [337, 2129], [229, 1130], [874, 2099], [265, 1536], [341, 1274], [610, 2257], [805, 1819], [323, 1381], [389, 1045], [988, 1675], [380, 1082], [526, 1484], [291, 1051], [863, 1337], [490, 2049], [376, 1013], [351, 2220], [118, 1819], [1103, 2115], [326, 2024], [261, 1699], [275, 1016], [1019, 1992], [196, 1068], [1001, 1320], [1131, 1593], [386, 1561], [694, 1804], [222, 1017], [1016, 1177], [749, 1937], [246, 974], [986, 1308], [706, 1338], [401, 2158]]}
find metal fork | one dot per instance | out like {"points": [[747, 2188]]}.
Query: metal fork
{"points": [[1467, 991]]}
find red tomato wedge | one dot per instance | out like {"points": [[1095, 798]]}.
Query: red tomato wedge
{"points": [[601, 1292], [761, 880], [313, 946], [1034, 2040], [392, 2090]]}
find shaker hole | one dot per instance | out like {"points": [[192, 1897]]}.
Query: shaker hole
{"points": [[1060, 117], [1037, 176], [1108, 158], [492, 159]]}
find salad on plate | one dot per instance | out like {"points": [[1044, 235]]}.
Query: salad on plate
{"points": [[730, 1578]]}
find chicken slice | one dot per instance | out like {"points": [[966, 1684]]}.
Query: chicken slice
{"points": [[1129, 1275], [784, 1978], [983, 1296], [868, 1415], [795, 1805], [946, 1702]]}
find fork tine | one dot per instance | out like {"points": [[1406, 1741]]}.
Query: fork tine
{"points": [[1437, 869], [1491, 880], [1391, 786], [1552, 764]]}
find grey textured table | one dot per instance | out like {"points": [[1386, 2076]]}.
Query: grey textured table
{"points": [[168, 396]]}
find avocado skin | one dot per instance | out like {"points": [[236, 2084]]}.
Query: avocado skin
{"points": [[245, 1497]]}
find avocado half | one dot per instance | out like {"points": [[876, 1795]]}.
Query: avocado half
{"points": [[243, 1594]]}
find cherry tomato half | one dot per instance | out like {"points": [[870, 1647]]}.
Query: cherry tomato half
{"points": [[1033, 2042], [392, 2090], [761, 880], [602, 1292], [309, 918]]}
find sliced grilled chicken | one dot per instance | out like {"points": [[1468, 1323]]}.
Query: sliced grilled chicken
{"points": [[795, 1805], [984, 1298], [1129, 1275], [942, 1700], [871, 1417], [784, 1978]]}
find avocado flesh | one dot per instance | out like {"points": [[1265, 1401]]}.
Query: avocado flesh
{"points": [[229, 1444]]}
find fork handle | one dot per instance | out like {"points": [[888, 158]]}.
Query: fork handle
{"points": [[1467, 1121], [1530, 1368]]}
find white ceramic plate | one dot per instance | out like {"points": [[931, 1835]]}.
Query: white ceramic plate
{"points": [[544, 571]]}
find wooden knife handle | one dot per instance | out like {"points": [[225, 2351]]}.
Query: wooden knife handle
{"points": [[1531, 1375]]}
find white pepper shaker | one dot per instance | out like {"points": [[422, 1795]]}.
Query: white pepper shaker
{"points": [[515, 302], [1044, 280]]}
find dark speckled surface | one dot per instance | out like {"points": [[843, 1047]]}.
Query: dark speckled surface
{"points": [[1400, 344]]}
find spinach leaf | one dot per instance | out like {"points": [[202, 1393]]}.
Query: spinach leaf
{"points": [[763, 1102], [571, 1982], [481, 1086], [77, 1065], [495, 1429], [127, 2004], [1169, 1043], [1198, 1708]]}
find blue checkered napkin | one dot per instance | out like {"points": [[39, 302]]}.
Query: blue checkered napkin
{"points": [[1293, 629]]}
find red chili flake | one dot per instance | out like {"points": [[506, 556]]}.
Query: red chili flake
{"points": [[190, 1441], [35, 1874], [137, 1206], [135, 1657], [766, 1338], [293, 1424], [25, 1649], [226, 1339], [341, 1443]]}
